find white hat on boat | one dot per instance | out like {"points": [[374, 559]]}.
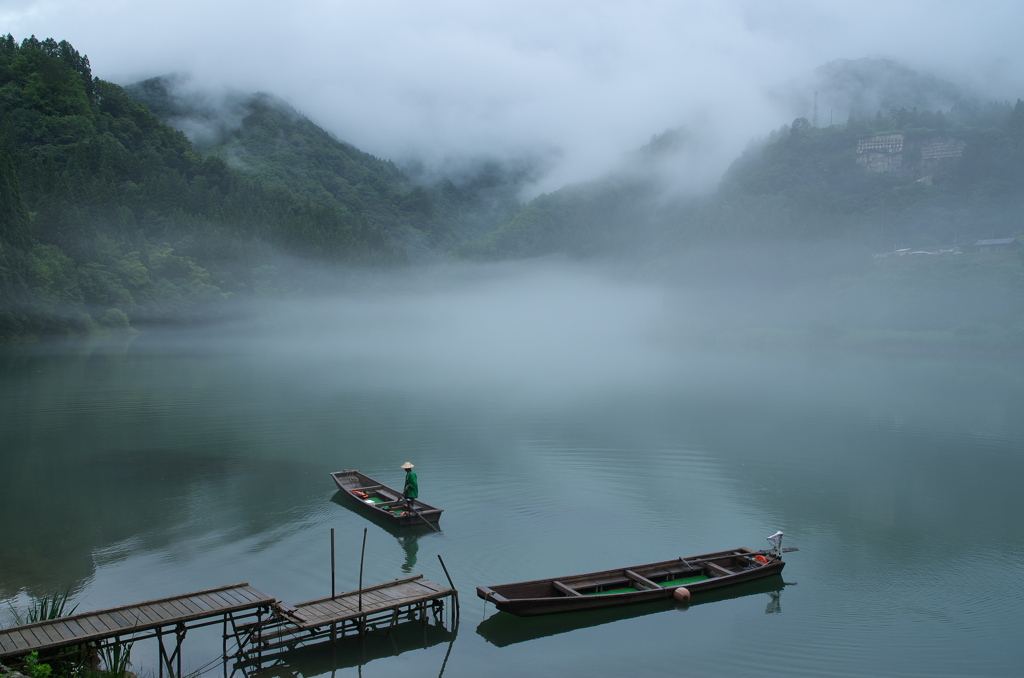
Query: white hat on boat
{"points": [[406, 465]]}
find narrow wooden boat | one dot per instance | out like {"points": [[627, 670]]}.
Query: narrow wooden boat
{"points": [[636, 584], [384, 501], [505, 629]]}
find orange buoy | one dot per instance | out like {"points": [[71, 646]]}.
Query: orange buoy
{"points": [[682, 594], [761, 559]]}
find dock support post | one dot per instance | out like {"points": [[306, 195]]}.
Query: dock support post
{"points": [[455, 592], [179, 635], [362, 558]]}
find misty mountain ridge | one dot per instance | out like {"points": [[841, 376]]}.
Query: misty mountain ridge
{"points": [[111, 217], [422, 213], [643, 201], [864, 87], [482, 197]]}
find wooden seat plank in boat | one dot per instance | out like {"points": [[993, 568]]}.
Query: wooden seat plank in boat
{"points": [[718, 570], [643, 581], [567, 590]]}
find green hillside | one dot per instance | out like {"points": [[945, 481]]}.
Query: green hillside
{"points": [[110, 217], [265, 138]]}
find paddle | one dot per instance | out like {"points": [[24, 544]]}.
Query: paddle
{"points": [[410, 506]]}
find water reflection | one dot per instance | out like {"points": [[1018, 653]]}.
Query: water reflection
{"points": [[409, 545], [407, 536], [175, 468], [390, 526], [504, 629], [323, 658]]}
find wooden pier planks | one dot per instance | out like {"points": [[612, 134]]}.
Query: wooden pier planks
{"points": [[127, 619], [344, 607], [374, 598], [310, 617]]}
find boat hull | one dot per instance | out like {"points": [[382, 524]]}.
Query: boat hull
{"points": [[375, 498], [631, 585]]}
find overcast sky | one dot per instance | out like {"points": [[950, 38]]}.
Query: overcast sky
{"points": [[584, 80]]}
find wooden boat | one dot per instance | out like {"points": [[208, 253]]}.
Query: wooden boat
{"points": [[636, 584], [384, 501], [505, 629]]}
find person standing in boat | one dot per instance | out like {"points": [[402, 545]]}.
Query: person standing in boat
{"points": [[412, 486]]}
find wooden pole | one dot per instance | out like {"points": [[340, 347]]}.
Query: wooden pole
{"points": [[362, 558], [455, 592], [334, 627]]}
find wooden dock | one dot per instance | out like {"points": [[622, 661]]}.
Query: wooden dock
{"points": [[130, 620], [260, 624], [351, 613]]}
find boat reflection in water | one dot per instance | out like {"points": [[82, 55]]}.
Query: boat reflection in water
{"points": [[326, 657], [503, 629], [407, 536]]}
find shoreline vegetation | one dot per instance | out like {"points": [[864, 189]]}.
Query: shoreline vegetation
{"points": [[84, 661]]}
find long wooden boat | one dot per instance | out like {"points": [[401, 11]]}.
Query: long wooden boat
{"points": [[384, 501], [505, 629], [636, 584]]}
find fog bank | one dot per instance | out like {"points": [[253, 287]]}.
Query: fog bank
{"points": [[576, 84]]}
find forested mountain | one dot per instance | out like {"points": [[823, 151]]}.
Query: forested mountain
{"points": [[265, 138], [916, 179], [109, 215]]}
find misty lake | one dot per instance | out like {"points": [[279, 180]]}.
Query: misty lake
{"points": [[562, 433]]}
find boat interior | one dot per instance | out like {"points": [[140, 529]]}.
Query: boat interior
{"points": [[375, 494], [630, 580]]}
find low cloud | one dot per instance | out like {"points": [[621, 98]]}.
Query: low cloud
{"points": [[579, 84]]}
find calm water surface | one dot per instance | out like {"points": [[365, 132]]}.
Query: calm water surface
{"points": [[559, 435]]}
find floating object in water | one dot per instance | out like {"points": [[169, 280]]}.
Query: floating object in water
{"points": [[681, 594]]}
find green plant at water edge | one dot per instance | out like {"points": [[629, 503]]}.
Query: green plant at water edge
{"points": [[116, 659], [34, 669], [49, 606]]}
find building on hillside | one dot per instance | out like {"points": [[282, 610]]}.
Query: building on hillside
{"points": [[934, 151], [894, 153], [885, 143], [883, 153], [997, 245]]}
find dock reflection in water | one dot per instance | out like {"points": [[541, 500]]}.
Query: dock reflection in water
{"points": [[504, 629], [326, 657]]}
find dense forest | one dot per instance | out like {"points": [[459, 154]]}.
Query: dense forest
{"points": [[105, 207], [111, 217]]}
